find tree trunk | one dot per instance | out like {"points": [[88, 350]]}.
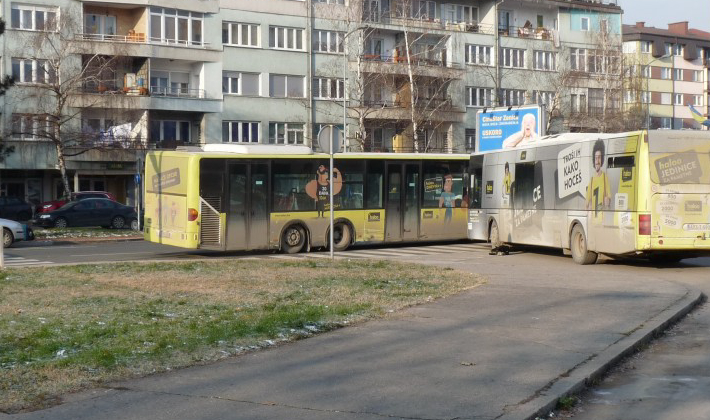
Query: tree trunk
{"points": [[63, 168], [412, 100]]}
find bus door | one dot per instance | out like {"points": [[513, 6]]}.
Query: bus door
{"points": [[247, 214], [402, 205]]}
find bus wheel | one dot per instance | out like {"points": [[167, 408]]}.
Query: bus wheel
{"points": [[578, 245], [294, 238], [342, 235], [494, 236]]}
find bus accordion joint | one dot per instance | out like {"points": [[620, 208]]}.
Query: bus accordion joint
{"points": [[192, 215], [644, 224]]}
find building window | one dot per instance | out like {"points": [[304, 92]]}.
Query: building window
{"points": [[512, 97], [237, 83], [665, 98], [697, 76], [646, 72], [678, 99], [665, 73], [668, 48], [325, 88], [31, 127], [286, 38], [285, 133], [26, 70], [698, 100], [173, 26], [512, 57], [240, 34], [34, 18], [458, 13], [578, 59], [666, 122], [478, 54], [283, 86], [646, 47], [240, 132], [645, 97], [99, 24], [584, 24], [677, 74], [478, 96], [470, 139], [678, 49], [578, 103], [543, 98], [544, 60], [328, 42], [169, 130]]}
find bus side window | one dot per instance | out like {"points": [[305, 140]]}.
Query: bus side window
{"points": [[374, 182]]}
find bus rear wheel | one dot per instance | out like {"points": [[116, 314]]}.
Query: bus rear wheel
{"points": [[578, 246], [294, 237], [494, 236], [342, 236]]}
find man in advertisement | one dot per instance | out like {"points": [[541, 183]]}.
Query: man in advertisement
{"points": [[598, 192], [527, 134]]}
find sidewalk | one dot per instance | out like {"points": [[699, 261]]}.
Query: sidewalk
{"points": [[506, 350]]}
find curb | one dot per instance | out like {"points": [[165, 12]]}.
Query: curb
{"points": [[593, 369]]}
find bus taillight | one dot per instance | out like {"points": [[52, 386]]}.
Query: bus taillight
{"points": [[192, 215], [644, 224]]}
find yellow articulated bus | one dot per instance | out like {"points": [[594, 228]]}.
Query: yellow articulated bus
{"points": [[250, 197], [639, 193]]}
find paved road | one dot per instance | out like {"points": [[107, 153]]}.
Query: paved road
{"points": [[503, 351]]}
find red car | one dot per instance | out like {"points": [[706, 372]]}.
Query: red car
{"points": [[75, 196]]}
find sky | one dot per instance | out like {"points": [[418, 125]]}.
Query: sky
{"points": [[660, 13]]}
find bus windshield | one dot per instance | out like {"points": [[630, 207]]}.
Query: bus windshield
{"points": [[679, 158]]}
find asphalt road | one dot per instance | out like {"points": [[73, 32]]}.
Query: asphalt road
{"points": [[670, 379]]}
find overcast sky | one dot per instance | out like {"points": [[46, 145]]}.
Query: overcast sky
{"points": [[660, 13]]}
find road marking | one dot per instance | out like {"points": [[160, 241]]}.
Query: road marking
{"points": [[20, 261], [111, 253]]}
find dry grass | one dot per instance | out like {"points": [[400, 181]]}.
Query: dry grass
{"points": [[68, 328]]}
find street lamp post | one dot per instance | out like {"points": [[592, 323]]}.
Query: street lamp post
{"points": [[648, 93]]}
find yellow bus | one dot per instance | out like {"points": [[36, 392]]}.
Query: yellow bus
{"points": [[251, 197], [639, 193]]}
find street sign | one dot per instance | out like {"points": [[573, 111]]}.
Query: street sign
{"points": [[330, 139]]}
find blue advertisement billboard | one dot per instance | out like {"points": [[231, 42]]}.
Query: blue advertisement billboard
{"points": [[502, 128]]}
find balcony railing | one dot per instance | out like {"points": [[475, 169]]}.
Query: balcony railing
{"points": [[415, 59], [140, 38], [425, 22], [175, 92], [527, 32]]}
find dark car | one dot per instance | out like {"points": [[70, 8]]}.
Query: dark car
{"points": [[48, 206], [90, 212], [14, 208]]}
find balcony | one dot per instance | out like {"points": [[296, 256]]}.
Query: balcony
{"points": [[434, 109], [426, 65], [154, 98], [423, 22], [177, 92], [527, 32]]}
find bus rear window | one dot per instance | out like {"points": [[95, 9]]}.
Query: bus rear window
{"points": [[679, 157]]}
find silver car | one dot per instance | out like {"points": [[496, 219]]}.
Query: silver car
{"points": [[13, 231]]}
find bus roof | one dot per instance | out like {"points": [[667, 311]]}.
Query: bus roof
{"points": [[234, 151], [568, 138]]}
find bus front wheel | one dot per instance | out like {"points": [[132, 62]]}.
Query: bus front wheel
{"points": [[494, 236], [578, 245], [294, 237]]}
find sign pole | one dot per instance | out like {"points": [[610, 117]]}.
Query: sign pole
{"points": [[330, 184]]}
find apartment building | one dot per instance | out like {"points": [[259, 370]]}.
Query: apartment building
{"points": [[668, 73], [108, 80]]}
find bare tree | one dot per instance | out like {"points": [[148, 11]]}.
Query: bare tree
{"points": [[5, 84], [57, 70]]}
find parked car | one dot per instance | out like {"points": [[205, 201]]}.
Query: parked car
{"points": [[13, 231], [75, 196], [14, 208], [90, 212]]}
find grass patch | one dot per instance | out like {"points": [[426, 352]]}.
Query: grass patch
{"points": [[68, 328], [77, 232]]}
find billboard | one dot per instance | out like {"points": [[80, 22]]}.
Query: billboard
{"points": [[506, 128]]}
